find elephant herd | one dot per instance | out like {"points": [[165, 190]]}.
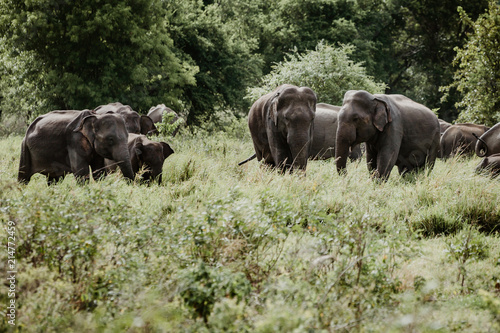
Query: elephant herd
{"points": [[110, 136], [288, 127]]}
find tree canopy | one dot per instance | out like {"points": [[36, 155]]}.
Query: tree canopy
{"points": [[477, 77], [200, 57]]}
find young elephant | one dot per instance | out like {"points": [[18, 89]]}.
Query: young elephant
{"points": [[490, 164], [62, 142], [145, 153], [135, 122], [281, 125], [397, 131], [325, 133]]}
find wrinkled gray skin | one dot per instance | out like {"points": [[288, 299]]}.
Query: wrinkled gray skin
{"points": [[281, 125], [136, 123], [489, 143], [397, 131], [459, 139], [145, 153], [62, 142], [325, 134], [443, 125], [489, 165]]}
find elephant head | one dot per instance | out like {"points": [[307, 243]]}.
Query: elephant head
{"points": [[361, 118], [135, 123], [108, 136], [148, 154], [290, 114]]}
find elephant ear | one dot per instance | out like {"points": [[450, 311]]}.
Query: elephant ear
{"points": [[382, 114], [167, 150], [86, 127], [148, 126], [138, 147]]}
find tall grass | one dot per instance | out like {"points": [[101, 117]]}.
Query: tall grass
{"points": [[222, 248]]}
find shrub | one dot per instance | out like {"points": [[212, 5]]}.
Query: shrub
{"points": [[327, 70]]}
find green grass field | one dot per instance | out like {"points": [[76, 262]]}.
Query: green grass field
{"points": [[222, 248]]}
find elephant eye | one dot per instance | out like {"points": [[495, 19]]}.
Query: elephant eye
{"points": [[111, 140]]}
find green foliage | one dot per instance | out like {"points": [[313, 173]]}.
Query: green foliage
{"points": [[222, 248], [80, 55], [478, 70], [327, 70], [203, 286], [423, 42], [467, 245], [492, 303], [169, 124], [209, 37]]}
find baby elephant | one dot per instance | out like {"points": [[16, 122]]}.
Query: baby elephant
{"points": [[490, 164], [145, 153]]}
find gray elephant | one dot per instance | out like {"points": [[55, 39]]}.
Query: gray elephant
{"points": [[489, 143], [325, 134], [397, 131], [459, 139], [443, 125], [135, 122], [145, 153], [70, 141], [489, 165], [281, 124], [156, 114]]}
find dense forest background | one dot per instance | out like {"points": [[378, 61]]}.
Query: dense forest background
{"points": [[202, 57]]}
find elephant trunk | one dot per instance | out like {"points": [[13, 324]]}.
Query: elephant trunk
{"points": [[481, 146], [345, 139], [122, 157], [300, 147]]}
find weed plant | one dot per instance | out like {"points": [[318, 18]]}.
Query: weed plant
{"points": [[221, 248]]}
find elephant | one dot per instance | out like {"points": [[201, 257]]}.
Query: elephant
{"points": [[443, 125], [325, 133], [489, 164], [281, 125], [135, 122], [459, 139], [145, 153], [72, 141], [156, 114], [396, 130], [489, 143]]}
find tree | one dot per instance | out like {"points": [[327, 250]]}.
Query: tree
{"points": [[477, 77], [423, 48], [76, 55], [327, 70], [215, 38]]}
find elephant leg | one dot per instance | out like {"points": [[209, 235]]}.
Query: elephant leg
{"points": [[99, 170], [371, 158], [386, 159], [24, 175]]}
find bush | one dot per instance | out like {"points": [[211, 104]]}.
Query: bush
{"points": [[327, 70]]}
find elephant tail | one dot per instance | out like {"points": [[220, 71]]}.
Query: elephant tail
{"points": [[480, 151], [248, 159]]}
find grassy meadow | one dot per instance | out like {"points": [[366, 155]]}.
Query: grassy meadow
{"points": [[222, 248]]}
